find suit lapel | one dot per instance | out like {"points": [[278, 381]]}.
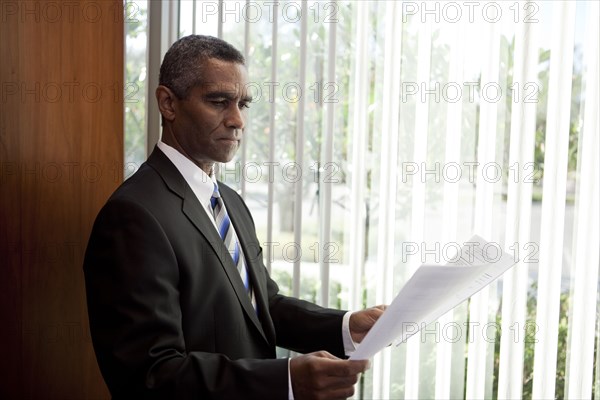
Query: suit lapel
{"points": [[252, 264], [193, 210]]}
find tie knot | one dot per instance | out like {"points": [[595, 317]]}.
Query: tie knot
{"points": [[216, 193], [214, 200]]}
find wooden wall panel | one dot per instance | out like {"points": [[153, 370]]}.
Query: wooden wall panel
{"points": [[61, 151]]}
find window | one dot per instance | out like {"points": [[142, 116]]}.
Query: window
{"points": [[385, 132], [135, 95]]}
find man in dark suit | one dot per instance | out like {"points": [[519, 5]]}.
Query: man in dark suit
{"points": [[180, 303]]}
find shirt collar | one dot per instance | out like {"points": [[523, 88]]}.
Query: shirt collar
{"points": [[202, 185]]}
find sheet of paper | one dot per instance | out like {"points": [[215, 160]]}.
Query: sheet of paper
{"points": [[432, 291]]}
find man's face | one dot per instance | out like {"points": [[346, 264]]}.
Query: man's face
{"points": [[209, 122]]}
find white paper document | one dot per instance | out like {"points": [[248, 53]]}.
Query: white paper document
{"points": [[434, 290]]}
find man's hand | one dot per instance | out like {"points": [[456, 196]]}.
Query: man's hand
{"points": [[362, 321], [321, 375]]}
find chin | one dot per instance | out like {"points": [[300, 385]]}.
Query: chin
{"points": [[225, 160], [228, 157]]}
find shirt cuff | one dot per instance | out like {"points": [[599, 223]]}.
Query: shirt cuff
{"points": [[290, 391], [349, 344]]}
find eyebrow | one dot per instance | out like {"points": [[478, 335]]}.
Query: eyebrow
{"points": [[226, 95]]}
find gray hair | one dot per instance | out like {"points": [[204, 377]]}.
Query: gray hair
{"points": [[181, 68]]}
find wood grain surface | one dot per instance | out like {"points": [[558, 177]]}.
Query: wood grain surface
{"points": [[61, 156]]}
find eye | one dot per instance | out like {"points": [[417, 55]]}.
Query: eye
{"points": [[243, 105], [220, 103]]}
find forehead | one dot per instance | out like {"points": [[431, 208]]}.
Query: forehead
{"points": [[223, 76]]}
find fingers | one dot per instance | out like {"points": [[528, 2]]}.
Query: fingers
{"points": [[344, 368], [330, 365], [362, 321], [325, 354], [377, 310], [322, 375]]}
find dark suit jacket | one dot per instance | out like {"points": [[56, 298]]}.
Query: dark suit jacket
{"points": [[168, 311]]}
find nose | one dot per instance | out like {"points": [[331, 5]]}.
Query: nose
{"points": [[235, 118]]}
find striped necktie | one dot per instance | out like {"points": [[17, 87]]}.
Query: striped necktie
{"points": [[229, 237]]}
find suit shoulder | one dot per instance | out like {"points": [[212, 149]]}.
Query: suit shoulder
{"points": [[145, 185], [144, 190], [230, 194], [142, 179], [229, 190]]}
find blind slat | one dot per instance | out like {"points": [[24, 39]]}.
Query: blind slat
{"points": [[418, 196], [553, 200], [359, 144], [484, 196], [299, 154], [585, 265], [387, 186], [273, 108], [220, 22], [518, 218], [326, 184], [450, 202], [248, 130], [194, 17]]}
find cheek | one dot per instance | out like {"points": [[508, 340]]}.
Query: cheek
{"points": [[195, 115], [205, 118]]}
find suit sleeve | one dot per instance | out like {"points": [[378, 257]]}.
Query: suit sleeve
{"points": [[305, 327], [300, 326], [131, 275]]}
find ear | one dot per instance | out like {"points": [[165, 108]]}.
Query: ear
{"points": [[166, 99]]}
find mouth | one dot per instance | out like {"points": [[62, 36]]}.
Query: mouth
{"points": [[229, 139]]}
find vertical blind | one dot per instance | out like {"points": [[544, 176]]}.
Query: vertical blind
{"points": [[383, 134]]}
